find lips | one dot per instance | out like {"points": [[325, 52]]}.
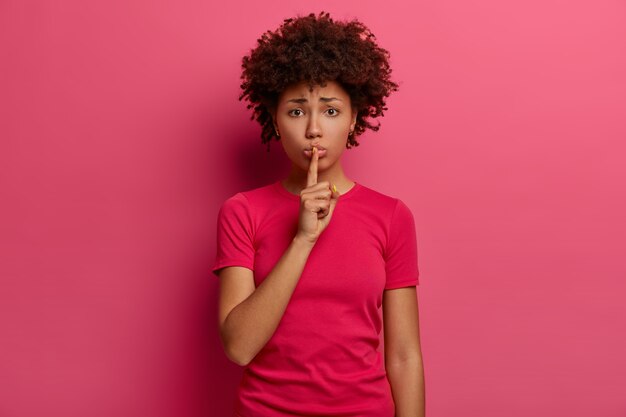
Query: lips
{"points": [[319, 148], [321, 152]]}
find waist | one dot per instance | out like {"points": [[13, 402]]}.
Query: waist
{"points": [[317, 391]]}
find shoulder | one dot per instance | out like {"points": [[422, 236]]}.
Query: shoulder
{"points": [[252, 205], [387, 204], [247, 198], [391, 213], [260, 191], [237, 203]]}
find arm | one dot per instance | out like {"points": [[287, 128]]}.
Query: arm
{"points": [[403, 356], [246, 327], [248, 316]]}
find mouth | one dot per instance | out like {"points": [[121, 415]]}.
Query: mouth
{"points": [[320, 150]]}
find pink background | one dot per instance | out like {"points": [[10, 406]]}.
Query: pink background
{"points": [[121, 135]]}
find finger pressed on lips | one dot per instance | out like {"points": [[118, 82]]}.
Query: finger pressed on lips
{"points": [[312, 174], [320, 152]]}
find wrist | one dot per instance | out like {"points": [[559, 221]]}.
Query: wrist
{"points": [[302, 240]]}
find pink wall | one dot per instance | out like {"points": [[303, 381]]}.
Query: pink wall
{"points": [[121, 135]]}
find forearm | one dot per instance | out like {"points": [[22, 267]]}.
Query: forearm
{"points": [[252, 323], [407, 386]]}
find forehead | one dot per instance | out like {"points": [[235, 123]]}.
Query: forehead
{"points": [[303, 90]]}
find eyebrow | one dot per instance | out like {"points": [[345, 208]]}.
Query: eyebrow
{"points": [[304, 100]]}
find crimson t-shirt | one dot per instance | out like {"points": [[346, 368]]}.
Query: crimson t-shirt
{"points": [[325, 357]]}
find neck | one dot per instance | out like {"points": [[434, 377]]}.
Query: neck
{"points": [[296, 181]]}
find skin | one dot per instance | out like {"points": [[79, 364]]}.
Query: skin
{"points": [[403, 353], [315, 121]]}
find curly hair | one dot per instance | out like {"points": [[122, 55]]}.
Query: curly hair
{"points": [[317, 49]]}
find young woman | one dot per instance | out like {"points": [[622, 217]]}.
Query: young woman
{"points": [[306, 263]]}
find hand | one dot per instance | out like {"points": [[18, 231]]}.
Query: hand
{"points": [[317, 203]]}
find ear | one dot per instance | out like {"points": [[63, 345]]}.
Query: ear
{"points": [[272, 112], [355, 113]]}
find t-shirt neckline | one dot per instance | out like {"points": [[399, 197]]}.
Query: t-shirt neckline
{"points": [[278, 186]]}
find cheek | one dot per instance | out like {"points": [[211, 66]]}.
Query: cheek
{"points": [[290, 134], [291, 148]]}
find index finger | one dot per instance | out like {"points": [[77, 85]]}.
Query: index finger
{"points": [[311, 178]]}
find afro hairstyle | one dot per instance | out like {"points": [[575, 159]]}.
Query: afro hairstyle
{"points": [[317, 49]]}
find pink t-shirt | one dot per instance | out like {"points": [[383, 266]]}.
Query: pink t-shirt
{"points": [[324, 359]]}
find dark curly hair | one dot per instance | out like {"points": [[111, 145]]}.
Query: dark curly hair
{"points": [[317, 49]]}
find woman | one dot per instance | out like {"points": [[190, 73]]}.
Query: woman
{"points": [[306, 263]]}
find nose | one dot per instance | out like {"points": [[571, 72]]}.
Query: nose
{"points": [[313, 129]]}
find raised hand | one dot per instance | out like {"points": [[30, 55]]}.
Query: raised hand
{"points": [[317, 203]]}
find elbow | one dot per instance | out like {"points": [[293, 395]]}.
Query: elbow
{"points": [[237, 359], [404, 361], [233, 354]]}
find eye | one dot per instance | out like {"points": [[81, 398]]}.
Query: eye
{"points": [[335, 112], [294, 110]]}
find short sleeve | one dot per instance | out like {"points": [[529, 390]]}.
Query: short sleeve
{"points": [[401, 250], [235, 234]]}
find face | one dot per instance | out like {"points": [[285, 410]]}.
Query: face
{"points": [[322, 116]]}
